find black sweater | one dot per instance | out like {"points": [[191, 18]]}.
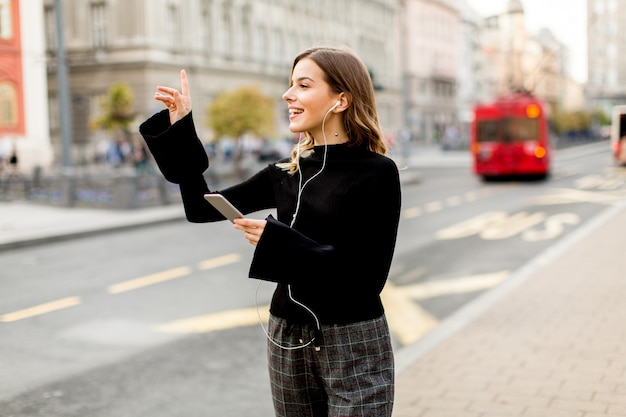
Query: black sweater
{"points": [[337, 256]]}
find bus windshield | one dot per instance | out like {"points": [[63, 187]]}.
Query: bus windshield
{"points": [[507, 130]]}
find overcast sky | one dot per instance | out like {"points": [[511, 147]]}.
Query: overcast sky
{"points": [[567, 19]]}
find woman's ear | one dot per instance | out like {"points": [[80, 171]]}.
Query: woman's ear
{"points": [[342, 103]]}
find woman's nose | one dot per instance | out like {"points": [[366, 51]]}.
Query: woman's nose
{"points": [[287, 95]]}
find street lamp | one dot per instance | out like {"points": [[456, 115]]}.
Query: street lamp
{"points": [[63, 90]]}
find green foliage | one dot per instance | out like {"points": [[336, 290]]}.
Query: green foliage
{"points": [[118, 109], [577, 121], [600, 118], [241, 111]]}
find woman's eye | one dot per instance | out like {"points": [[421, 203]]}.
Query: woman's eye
{"points": [[303, 85]]}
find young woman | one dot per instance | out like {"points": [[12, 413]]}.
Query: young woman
{"points": [[337, 200]]}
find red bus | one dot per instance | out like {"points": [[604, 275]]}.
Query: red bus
{"points": [[509, 137]]}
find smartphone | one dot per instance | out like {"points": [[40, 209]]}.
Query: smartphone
{"points": [[223, 206]]}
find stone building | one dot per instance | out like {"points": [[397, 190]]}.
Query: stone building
{"points": [[431, 52], [222, 44], [606, 53]]}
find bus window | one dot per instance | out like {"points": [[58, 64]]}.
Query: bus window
{"points": [[519, 130], [487, 131]]}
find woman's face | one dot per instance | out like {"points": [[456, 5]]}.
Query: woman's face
{"points": [[309, 98]]}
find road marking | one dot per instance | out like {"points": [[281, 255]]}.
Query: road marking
{"points": [[430, 289], [433, 207], [412, 212], [471, 196], [453, 201], [568, 196], [512, 225], [472, 226], [159, 277], [408, 321], [40, 309], [220, 261], [221, 320], [553, 227]]}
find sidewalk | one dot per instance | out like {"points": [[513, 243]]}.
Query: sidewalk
{"points": [[24, 223], [549, 342]]}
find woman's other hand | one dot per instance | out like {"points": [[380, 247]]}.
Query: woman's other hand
{"points": [[177, 102], [252, 229]]}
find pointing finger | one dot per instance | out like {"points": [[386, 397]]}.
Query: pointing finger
{"points": [[184, 83]]}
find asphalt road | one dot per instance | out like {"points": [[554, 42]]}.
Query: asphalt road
{"points": [[162, 321]]}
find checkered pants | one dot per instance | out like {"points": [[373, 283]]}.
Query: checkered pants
{"points": [[352, 375]]}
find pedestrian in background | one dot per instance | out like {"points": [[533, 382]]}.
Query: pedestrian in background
{"points": [[329, 250]]}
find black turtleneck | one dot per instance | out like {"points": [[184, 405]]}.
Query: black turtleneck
{"points": [[337, 256]]}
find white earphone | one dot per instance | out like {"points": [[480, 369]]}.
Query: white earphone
{"points": [[318, 332]]}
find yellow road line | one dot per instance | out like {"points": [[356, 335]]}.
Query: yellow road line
{"points": [[220, 261], [159, 277], [412, 212], [40, 309], [463, 285], [433, 207], [217, 321], [408, 321]]}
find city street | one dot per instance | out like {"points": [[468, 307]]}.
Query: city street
{"points": [[162, 321]]}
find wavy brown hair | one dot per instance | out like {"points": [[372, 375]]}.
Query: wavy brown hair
{"points": [[345, 72]]}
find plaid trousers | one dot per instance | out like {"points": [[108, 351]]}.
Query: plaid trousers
{"points": [[351, 375]]}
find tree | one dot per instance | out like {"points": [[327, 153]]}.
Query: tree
{"points": [[118, 109], [236, 113], [118, 112]]}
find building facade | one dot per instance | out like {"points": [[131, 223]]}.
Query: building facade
{"points": [[222, 44], [432, 35], [23, 89], [606, 53]]}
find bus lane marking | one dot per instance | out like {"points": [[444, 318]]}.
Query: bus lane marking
{"points": [[497, 225], [473, 283], [569, 196], [472, 226], [553, 227], [40, 309], [512, 225]]}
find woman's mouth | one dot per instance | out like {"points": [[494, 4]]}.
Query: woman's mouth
{"points": [[295, 112]]}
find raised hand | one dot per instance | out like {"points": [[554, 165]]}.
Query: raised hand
{"points": [[177, 102]]}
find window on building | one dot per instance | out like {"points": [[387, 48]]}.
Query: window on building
{"points": [[98, 25], [8, 106], [50, 27], [245, 38], [172, 25], [207, 27], [6, 26], [227, 28]]}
